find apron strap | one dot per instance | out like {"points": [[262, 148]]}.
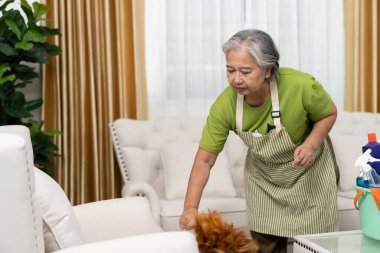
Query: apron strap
{"points": [[275, 104], [239, 112]]}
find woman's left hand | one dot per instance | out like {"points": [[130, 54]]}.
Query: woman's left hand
{"points": [[304, 155]]}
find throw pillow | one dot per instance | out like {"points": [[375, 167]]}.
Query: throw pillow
{"points": [[60, 225], [178, 158]]}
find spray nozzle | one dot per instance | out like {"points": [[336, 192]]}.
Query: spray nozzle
{"points": [[364, 159]]}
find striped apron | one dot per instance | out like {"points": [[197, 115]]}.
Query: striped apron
{"points": [[284, 199]]}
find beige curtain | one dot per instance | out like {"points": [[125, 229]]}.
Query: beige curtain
{"points": [[362, 55], [98, 78]]}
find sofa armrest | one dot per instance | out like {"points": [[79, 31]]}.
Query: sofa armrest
{"points": [[166, 242], [136, 188], [116, 218]]}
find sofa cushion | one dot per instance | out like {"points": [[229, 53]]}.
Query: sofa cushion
{"points": [[61, 227], [116, 218], [178, 158]]}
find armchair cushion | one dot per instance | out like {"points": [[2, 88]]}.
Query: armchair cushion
{"points": [[116, 218], [178, 158], [60, 225]]}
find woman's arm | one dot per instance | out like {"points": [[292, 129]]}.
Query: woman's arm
{"points": [[203, 162], [303, 155]]}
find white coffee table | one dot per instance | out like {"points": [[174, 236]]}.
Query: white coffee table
{"points": [[336, 242]]}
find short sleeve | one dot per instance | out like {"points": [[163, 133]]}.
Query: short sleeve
{"points": [[214, 134], [317, 101], [220, 120]]}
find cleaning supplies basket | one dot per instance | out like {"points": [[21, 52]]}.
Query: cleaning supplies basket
{"points": [[369, 212]]}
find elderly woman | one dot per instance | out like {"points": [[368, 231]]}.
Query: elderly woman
{"points": [[284, 117]]}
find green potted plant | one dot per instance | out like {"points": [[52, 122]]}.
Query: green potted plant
{"points": [[23, 42]]}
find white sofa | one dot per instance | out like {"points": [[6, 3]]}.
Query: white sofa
{"points": [[36, 215], [143, 150]]}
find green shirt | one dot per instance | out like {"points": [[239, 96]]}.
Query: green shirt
{"points": [[303, 101]]}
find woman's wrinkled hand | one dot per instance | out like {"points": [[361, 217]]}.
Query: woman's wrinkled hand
{"points": [[304, 155], [187, 220]]}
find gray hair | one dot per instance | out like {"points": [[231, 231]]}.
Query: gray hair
{"points": [[259, 44]]}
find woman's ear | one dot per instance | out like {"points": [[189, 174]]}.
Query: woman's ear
{"points": [[268, 71]]}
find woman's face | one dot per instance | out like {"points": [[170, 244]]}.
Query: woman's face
{"points": [[244, 74]]}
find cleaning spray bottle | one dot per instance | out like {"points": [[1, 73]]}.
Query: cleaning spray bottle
{"points": [[361, 180], [369, 178], [375, 147]]}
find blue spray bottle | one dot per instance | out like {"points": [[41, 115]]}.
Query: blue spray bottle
{"points": [[367, 171], [375, 147]]}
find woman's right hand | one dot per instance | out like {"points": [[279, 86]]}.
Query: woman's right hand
{"points": [[187, 220]]}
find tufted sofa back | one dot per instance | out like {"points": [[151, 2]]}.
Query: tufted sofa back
{"points": [[139, 142], [348, 135]]}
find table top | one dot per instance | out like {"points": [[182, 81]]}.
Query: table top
{"points": [[339, 242]]}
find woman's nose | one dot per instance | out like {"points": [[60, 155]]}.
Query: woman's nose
{"points": [[237, 78]]}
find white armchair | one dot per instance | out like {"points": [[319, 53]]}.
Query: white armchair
{"points": [[36, 215]]}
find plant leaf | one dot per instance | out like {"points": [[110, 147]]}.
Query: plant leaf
{"points": [[39, 10], [3, 26], [6, 49], [33, 35], [7, 78], [16, 99], [13, 26], [47, 20], [4, 5], [53, 132], [35, 126], [33, 105], [25, 6], [17, 112], [3, 79], [3, 68], [24, 72], [37, 54], [52, 31], [52, 49], [24, 45], [21, 85]]}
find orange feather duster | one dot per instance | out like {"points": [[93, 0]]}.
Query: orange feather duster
{"points": [[216, 236]]}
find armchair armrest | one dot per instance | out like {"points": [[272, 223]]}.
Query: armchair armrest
{"points": [[116, 218], [165, 242], [136, 188]]}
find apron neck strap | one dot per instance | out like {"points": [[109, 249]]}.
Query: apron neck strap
{"points": [[275, 107], [239, 112], [276, 115]]}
